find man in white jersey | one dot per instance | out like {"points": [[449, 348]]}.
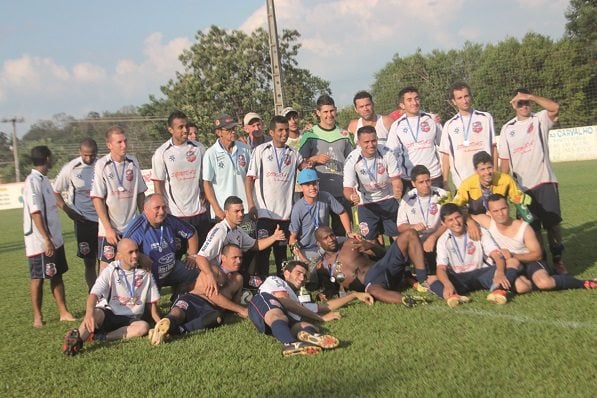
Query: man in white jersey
{"points": [[523, 149], [276, 310], [253, 126], [76, 178], [228, 231], [325, 147], [117, 193], [519, 246], [372, 183], [44, 245], [465, 265], [176, 175], [127, 291], [465, 134], [294, 132], [413, 138], [270, 189], [419, 211], [364, 107], [225, 166]]}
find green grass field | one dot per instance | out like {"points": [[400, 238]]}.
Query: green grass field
{"points": [[539, 345]]}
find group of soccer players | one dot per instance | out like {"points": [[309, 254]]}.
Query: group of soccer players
{"points": [[217, 214]]}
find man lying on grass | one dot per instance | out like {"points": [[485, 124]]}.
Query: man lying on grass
{"points": [[464, 265], [353, 259], [276, 310], [194, 310], [125, 290]]}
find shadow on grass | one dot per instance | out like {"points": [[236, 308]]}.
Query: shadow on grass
{"points": [[580, 253]]}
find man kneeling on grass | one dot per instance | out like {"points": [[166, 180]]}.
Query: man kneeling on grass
{"points": [[276, 310], [464, 265], [194, 310], [125, 290]]}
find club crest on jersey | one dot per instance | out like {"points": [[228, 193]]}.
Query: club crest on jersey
{"points": [[191, 157], [381, 168], [364, 228], [108, 252], [477, 127], [129, 175], [470, 248], [425, 127], [242, 162], [530, 129], [84, 248], [433, 209], [183, 305]]}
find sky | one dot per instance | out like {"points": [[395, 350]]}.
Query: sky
{"points": [[73, 56]]}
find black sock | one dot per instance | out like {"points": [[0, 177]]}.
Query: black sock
{"points": [[567, 282]]}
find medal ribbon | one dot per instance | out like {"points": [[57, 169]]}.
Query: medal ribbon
{"points": [[467, 130], [415, 137], [461, 256], [119, 178]]}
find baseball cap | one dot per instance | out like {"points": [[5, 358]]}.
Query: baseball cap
{"points": [[250, 116], [288, 110], [225, 122], [307, 175]]}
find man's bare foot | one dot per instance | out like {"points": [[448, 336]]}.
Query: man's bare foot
{"points": [[67, 317], [38, 323]]}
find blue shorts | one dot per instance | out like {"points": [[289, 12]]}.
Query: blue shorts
{"points": [[372, 215], [193, 306], [259, 305], [112, 322], [389, 271], [44, 267], [532, 267], [179, 276], [86, 233], [479, 279]]}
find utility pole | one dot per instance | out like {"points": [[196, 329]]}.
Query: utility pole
{"points": [[15, 152], [274, 50]]}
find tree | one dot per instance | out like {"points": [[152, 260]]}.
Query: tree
{"points": [[582, 22], [230, 72]]}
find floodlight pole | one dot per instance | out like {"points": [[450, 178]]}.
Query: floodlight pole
{"points": [[15, 152], [274, 50]]}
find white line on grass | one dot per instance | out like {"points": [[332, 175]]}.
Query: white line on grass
{"points": [[519, 318]]}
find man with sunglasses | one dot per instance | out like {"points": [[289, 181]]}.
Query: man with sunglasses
{"points": [[523, 150]]}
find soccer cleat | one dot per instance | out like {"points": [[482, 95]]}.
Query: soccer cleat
{"points": [[455, 300], [420, 287], [72, 343], [413, 301], [300, 348], [324, 341], [590, 284], [157, 335], [559, 267], [498, 296]]}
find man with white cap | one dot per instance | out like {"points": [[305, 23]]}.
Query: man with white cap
{"points": [[253, 126]]}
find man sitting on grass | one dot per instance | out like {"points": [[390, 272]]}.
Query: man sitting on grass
{"points": [[125, 290], [519, 245], [194, 311], [276, 310], [464, 265]]}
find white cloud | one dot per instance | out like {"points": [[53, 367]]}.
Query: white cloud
{"points": [[41, 87]]}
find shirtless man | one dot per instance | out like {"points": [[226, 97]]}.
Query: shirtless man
{"points": [[351, 266], [195, 310], [519, 245]]}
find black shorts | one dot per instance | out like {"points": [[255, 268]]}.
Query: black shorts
{"points": [[389, 271], [86, 234], [112, 322], [193, 306], [545, 205], [44, 267], [202, 224]]}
